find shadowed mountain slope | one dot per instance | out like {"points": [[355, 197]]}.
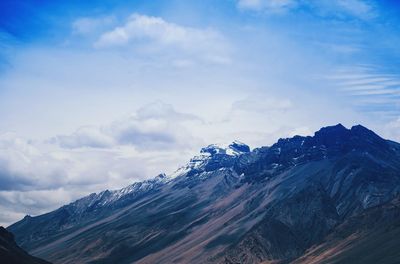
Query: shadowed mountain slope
{"points": [[231, 205], [367, 238], [10, 253]]}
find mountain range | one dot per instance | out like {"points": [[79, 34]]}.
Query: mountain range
{"points": [[333, 197]]}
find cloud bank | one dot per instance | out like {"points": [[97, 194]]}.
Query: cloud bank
{"points": [[152, 140]]}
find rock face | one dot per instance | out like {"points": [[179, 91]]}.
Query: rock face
{"points": [[10, 253], [295, 201]]}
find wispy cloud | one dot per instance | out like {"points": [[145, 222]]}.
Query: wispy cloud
{"points": [[370, 88], [273, 6], [358, 8], [361, 9]]}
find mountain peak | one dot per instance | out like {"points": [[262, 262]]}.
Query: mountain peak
{"points": [[233, 149], [339, 129], [332, 135], [335, 129]]}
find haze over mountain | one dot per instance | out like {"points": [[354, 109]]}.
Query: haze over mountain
{"points": [[328, 198]]}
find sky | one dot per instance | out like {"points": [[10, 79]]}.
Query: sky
{"points": [[96, 95]]}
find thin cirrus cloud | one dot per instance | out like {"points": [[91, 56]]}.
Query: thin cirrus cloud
{"points": [[203, 44], [357, 8], [371, 89]]}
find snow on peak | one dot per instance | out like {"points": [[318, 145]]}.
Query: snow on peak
{"points": [[233, 149]]}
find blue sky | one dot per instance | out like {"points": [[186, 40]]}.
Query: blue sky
{"points": [[98, 94]]}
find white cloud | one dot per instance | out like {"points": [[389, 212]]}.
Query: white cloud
{"points": [[160, 35], [85, 136], [23, 165], [156, 126]]}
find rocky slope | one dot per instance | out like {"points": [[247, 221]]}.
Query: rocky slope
{"points": [[277, 204], [367, 238], [10, 253]]}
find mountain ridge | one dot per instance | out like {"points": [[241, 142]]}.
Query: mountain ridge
{"points": [[226, 199]]}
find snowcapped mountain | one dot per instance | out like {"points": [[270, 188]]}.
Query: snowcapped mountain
{"points": [[231, 204]]}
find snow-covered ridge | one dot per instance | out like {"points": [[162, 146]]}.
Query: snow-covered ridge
{"points": [[136, 187], [108, 197]]}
